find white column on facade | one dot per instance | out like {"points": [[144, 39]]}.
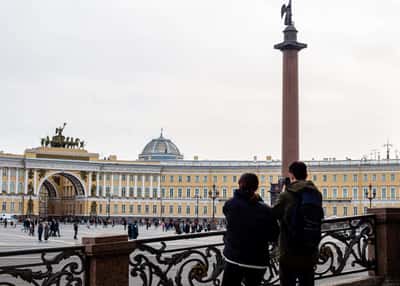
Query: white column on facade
{"points": [[127, 186], [8, 180], [16, 180], [135, 187], [26, 182], [143, 189], [104, 184], [120, 186], [159, 186], [97, 184], [89, 192], [1, 180], [35, 182], [112, 184], [151, 186]]}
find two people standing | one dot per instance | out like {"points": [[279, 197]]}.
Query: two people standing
{"points": [[43, 230], [252, 226]]}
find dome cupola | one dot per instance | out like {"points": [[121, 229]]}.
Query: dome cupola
{"points": [[160, 149]]}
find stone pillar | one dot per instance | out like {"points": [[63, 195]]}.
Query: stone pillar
{"points": [[97, 184], [8, 180], [112, 185], [151, 186], [16, 180], [108, 260], [119, 185], [159, 186], [26, 182], [127, 187], [1, 180], [290, 97], [89, 192], [387, 244], [143, 188], [35, 191], [104, 184], [135, 187]]}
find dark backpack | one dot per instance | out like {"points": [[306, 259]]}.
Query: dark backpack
{"points": [[304, 222]]}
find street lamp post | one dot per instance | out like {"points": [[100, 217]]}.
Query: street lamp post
{"points": [[370, 195], [197, 197], [108, 205], [30, 204], [213, 195], [161, 208]]}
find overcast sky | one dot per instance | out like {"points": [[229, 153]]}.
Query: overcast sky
{"points": [[205, 71]]}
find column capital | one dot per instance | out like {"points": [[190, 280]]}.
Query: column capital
{"points": [[290, 40]]}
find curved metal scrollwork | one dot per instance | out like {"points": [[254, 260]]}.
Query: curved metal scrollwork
{"points": [[56, 267], [186, 266], [344, 246]]}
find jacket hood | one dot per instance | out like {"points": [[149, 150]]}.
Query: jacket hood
{"points": [[299, 185], [247, 195]]}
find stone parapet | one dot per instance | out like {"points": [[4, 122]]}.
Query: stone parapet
{"points": [[387, 244], [108, 260]]}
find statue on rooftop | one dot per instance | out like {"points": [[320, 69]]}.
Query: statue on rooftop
{"points": [[59, 130], [60, 141], [286, 10]]}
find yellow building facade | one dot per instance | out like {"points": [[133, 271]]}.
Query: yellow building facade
{"points": [[64, 180]]}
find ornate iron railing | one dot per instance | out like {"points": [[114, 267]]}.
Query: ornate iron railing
{"points": [[46, 267], [346, 246], [196, 259]]}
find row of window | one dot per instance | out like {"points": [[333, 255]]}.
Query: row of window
{"points": [[13, 172], [345, 211], [154, 209], [383, 193], [180, 193], [11, 207], [355, 177], [4, 188], [225, 179]]}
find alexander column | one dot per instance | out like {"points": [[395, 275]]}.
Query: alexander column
{"points": [[290, 90]]}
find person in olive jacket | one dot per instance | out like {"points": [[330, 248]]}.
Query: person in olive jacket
{"points": [[250, 228], [292, 264]]}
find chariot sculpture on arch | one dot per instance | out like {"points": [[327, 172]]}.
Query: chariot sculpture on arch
{"points": [[60, 141]]}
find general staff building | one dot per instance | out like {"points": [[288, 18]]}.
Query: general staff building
{"points": [[61, 178]]}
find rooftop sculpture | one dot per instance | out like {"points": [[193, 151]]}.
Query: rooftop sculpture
{"points": [[286, 10], [59, 140]]}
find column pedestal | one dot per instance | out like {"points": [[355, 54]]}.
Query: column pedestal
{"points": [[387, 244], [108, 260]]}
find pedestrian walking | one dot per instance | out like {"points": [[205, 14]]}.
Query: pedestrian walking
{"points": [[135, 230], [40, 231], [32, 228], [299, 211], [46, 231], [251, 227], [75, 225], [57, 228]]}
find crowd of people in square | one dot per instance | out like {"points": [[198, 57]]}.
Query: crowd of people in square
{"points": [[293, 223]]}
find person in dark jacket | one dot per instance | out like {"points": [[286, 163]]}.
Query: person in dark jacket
{"points": [[75, 226], [46, 231], [250, 229], [40, 231], [293, 266]]}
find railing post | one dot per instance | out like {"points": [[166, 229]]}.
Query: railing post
{"points": [[387, 244], [108, 260]]}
